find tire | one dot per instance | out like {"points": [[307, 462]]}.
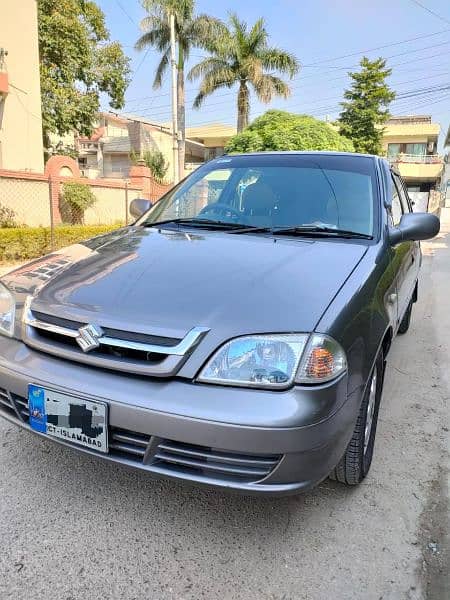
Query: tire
{"points": [[406, 321], [355, 464]]}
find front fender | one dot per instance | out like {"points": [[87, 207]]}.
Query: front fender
{"points": [[361, 313]]}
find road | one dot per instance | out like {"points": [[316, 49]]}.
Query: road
{"points": [[73, 527]]}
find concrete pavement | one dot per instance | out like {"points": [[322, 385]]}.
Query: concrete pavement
{"points": [[73, 527]]}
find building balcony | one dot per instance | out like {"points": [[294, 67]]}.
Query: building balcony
{"points": [[87, 147], [425, 167]]}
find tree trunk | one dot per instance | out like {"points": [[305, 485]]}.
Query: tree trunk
{"points": [[181, 114], [243, 106]]}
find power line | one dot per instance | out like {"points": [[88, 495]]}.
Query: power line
{"points": [[435, 14], [140, 63], [315, 75], [144, 111], [125, 12], [419, 37]]}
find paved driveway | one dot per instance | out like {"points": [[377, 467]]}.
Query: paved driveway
{"points": [[73, 527]]}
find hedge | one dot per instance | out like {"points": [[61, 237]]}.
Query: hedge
{"points": [[25, 243]]}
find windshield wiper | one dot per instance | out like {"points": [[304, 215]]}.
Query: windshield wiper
{"points": [[305, 230], [196, 222], [319, 230]]}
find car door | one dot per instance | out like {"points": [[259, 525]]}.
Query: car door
{"points": [[405, 259], [416, 252]]}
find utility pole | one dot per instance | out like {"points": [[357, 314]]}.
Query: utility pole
{"points": [[173, 60]]}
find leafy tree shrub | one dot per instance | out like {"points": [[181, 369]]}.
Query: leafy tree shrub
{"points": [[25, 243], [75, 199], [280, 130], [7, 217], [155, 161], [366, 108]]}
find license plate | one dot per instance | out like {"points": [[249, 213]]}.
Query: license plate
{"points": [[77, 420]]}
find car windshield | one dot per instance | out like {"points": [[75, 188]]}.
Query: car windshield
{"points": [[332, 192]]}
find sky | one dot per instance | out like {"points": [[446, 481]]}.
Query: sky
{"points": [[329, 37]]}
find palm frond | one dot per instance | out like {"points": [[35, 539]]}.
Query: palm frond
{"points": [[156, 35], [257, 38], [161, 70], [220, 78], [204, 30], [278, 60], [268, 86], [206, 67]]}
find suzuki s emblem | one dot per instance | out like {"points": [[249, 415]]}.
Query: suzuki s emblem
{"points": [[89, 337]]}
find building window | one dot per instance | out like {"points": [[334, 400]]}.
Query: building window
{"points": [[416, 149], [393, 149]]}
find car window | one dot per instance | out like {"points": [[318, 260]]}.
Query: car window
{"points": [[278, 191], [396, 212], [402, 193], [196, 197]]}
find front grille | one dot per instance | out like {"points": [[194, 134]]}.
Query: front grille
{"points": [[6, 405], [211, 462], [129, 351], [116, 333], [128, 444], [104, 351]]}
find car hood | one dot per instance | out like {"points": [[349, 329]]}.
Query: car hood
{"points": [[169, 281]]}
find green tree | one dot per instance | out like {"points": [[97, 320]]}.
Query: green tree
{"points": [[242, 56], [155, 161], [366, 109], [190, 31], [280, 130], [75, 199], [77, 64]]}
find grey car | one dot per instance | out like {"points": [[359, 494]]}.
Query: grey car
{"points": [[235, 335]]}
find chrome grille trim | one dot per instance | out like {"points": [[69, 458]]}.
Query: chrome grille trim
{"points": [[189, 341], [135, 352]]}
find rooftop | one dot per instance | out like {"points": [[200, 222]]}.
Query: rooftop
{"points": [[411, 125]]}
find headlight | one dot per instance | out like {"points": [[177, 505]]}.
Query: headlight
{"points": [[275, 361], [256, 361], [7, 311]]}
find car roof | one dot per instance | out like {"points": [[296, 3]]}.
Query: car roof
{"points": [[303, 153]]}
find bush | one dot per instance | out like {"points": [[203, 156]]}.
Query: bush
{"points": [[280, 130], [155, 161], [25, 243], [7, 217], [75, 199]]}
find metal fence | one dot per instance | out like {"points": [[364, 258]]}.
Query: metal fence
{"points": [[39, 202]]}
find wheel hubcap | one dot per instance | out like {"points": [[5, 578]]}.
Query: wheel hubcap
{"points": [[370, 409]]}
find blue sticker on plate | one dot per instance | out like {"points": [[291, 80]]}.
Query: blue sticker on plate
{"points": [[36, 405]]}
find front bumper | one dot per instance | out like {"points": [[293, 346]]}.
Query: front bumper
{"points": [[255, 442]]}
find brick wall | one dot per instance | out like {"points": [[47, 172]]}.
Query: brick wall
{"points": [[35, 198]]}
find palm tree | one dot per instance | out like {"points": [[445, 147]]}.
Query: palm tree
{"points": [[242, 56], [190, 30]]}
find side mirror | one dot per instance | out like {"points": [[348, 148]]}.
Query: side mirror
{"points": [[139, 206], [414, 227]]}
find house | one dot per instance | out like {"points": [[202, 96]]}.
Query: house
{"points": [[21, 147], [446, 177], [214, 137], [108, 151], [411, 142]]}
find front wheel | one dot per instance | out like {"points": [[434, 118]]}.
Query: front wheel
{"points": [[355, 463]]}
